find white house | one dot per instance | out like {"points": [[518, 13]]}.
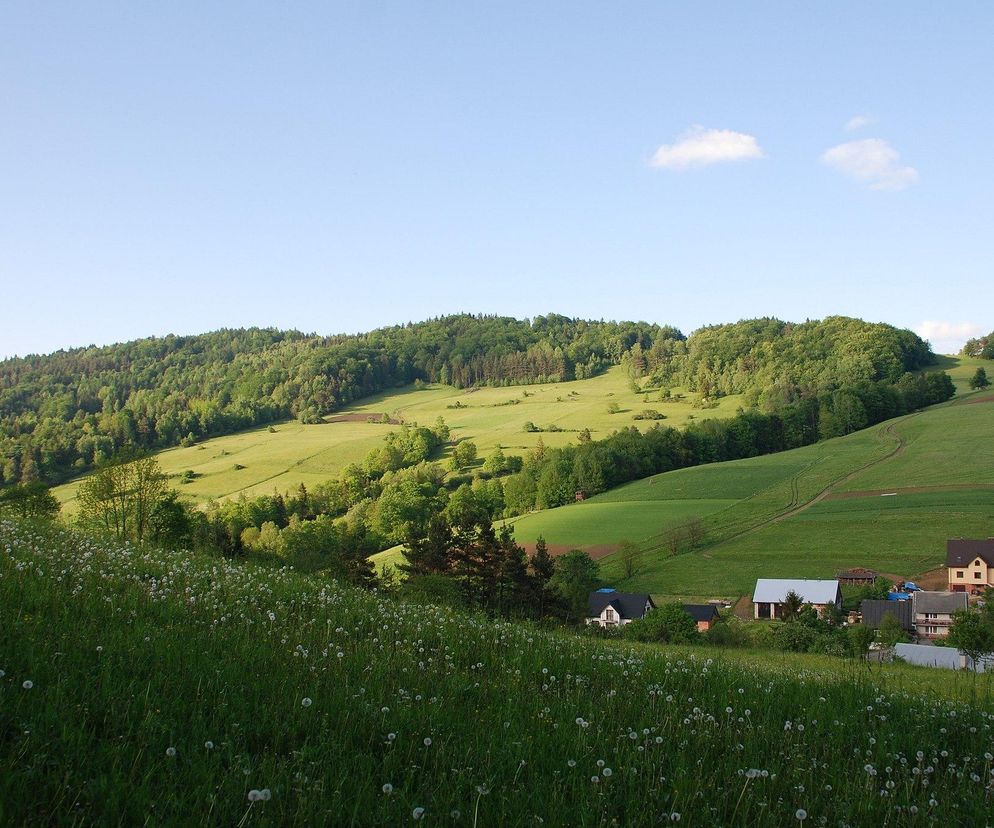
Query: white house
{"points": [[610, 608], [770, 594]]}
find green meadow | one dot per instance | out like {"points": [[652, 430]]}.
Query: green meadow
{"points": [[887, 498], [146, 686], [293, 453]]}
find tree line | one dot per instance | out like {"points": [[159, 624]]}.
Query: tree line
{"points": [[67, 412]]}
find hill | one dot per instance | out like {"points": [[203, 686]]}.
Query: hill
{"points": [[282, 456], [886, 497], [144, 684]]}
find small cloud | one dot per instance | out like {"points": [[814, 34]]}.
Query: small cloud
{"points": [[947, 337], [872, 161], [699, 147], [858, 122]]}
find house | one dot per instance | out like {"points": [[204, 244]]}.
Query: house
{"points": [[934, 611], [770, 593], [610, 608], [971, 565], [858, 576], [873, 612], [704, 615]]}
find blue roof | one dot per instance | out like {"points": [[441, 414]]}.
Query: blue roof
{"points": [[606, 589], [898, 596]]}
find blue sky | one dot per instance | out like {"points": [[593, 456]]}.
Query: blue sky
{"points": [[180, 167]]}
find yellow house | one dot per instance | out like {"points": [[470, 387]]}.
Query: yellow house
{"points": [[971, 565]]}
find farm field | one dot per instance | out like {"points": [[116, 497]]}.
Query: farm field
{"points": [[887, 497], [138, 682], [295, 453]]}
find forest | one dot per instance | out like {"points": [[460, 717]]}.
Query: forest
{"points": [[65, 413]]}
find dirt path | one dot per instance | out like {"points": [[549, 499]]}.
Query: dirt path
{"points": [[795, 508]]}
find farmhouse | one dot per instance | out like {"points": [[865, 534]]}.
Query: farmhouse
{"points": [[971, 565], [610, 608], [771, 593], [934, 611], [704, 615]]}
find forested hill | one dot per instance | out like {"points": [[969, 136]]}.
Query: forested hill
{"points": [[776, 363], [59, 414]]}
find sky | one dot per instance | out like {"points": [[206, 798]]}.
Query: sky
{"points": [[335, 167]]}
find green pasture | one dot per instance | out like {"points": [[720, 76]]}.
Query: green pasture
{"points": [[294, 453]]}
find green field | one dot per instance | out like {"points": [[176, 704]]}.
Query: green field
{"points": [[803, 513], [294, 453], [148, 686]]}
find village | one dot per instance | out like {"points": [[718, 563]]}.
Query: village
{"points": [[924, 617]]}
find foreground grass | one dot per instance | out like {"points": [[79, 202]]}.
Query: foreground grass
{"points": [[156, 686]]}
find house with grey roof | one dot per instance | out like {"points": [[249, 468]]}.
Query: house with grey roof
{"points": [[970, 565], [933, 611], [770, 594], [610, 608]]}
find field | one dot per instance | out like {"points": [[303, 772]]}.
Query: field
{"points": [[294, 453], [142, 685], [887, 497]]}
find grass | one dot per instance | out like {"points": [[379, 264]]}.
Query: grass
{"points": [[310, 454], [144, 685], [765, 516]]}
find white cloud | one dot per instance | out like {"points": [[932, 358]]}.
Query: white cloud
{"points": [[872, 161], [699, 147], [947, 337], [858, 122]]}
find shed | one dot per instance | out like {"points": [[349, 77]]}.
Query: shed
{"points": [[770, 594], [704, 615]]}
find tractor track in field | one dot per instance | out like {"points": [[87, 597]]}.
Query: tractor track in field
{"points": [[794, 507]]}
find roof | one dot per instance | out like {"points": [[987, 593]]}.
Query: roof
{"points": [[701, 612], [960, 552], [626, 604], [774, 590], [873, 611], [858, 572], [944, 602]]}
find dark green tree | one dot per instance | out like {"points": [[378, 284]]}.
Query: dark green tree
{"points": [[979, 379]]}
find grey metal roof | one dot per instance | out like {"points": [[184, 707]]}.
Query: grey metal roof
{"points": [[774, 590], [873, 612], [627, 604], [942, 602], [963, 552]]}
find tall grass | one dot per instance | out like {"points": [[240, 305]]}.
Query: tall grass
{"points": [[149, 686]]}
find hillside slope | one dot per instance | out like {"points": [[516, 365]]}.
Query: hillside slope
{"points": [[138, 685], [803, 513]]}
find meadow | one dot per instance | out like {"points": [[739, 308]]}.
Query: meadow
{"points": [[886, 497], [260, 461], [139, 685]]}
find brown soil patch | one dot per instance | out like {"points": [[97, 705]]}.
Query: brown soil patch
{"points": [[985, 398], [743, 608], [951, 487], [597, 551], [934, 579], [369, 417]]}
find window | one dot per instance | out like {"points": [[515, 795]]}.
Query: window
{"points": [[609, 614], [959, 573], [931, 630], [978, 575]]}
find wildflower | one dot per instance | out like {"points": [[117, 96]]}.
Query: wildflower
{"points": [[595, 779], [253, 795], [418, 813], [209, 745], [571, 762], [306, 702], [28, 684], [171, 752], [606, 772], [391, 737], [427, 741], [801, 814], [387, 788]]}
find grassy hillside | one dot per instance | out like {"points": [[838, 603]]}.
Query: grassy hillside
{"points": [[804, 513], [143, 685], [294, 453]]}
